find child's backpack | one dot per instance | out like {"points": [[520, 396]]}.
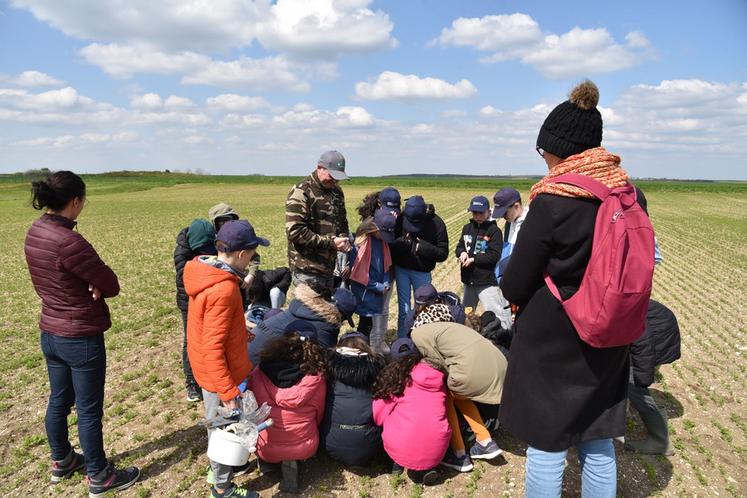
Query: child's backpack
{"points": [[609, 308]]}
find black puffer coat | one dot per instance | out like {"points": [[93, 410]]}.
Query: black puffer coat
{"points": [[659, 344], [264, 280], [182, 254], [348, 432]]}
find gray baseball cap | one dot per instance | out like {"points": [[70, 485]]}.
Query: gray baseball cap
{"points": [[333, 162]]}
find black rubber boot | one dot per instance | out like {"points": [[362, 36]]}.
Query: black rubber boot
{"points": [[657, 442]]}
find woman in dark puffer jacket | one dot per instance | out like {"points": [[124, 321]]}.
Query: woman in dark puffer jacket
{"points": [[348, 432], [72, 282]]}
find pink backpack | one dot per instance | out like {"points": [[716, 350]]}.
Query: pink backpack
{"points": [[609, 308]]}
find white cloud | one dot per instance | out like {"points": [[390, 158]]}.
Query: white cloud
{"points": [[307, 117], [319, 28], [122, 61], [245, 72], [197, 139], [393, 85], [31, 79], [79, 140], [325, 28], [236, 103], [243, 120], [147, 101], [518, 37], [355, 116]]}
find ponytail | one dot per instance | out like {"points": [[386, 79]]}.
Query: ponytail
{"points": [[57, 190]]}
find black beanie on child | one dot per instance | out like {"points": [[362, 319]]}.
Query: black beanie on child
{"points": [[575, 125]]}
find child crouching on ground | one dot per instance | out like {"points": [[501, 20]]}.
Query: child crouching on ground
{"points": [[348, 431], [290, 380], [216, 331], [475, 370], [410, 404]]}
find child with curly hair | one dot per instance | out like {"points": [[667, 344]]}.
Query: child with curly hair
{"points": [[290, 379], [410, 405]]}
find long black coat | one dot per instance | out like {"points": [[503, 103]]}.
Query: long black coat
{"points": [[182, 254], [659, 344], [348, 432], [559, 391], [433, 244]]}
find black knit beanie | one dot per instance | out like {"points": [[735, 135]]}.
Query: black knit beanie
{"points": [[575, 125]]}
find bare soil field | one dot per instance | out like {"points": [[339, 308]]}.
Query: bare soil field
{"points": [[148, 422]]}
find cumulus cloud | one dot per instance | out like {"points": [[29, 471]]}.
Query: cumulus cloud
{"points": [[122, 61], [392, 85], [519, 37], [31, 79], [77, 140], [325, 28], [318, 28], [309, 118], [236, 103], [245, 72]]}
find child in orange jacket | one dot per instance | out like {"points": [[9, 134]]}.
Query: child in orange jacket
{"points": [[216, 330]]}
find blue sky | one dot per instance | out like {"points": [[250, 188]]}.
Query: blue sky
{"points": [[253, 86]]}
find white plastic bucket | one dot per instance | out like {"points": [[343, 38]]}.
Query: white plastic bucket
{"points": [[225, 448]]}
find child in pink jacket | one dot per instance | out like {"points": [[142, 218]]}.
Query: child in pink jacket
{"points": [[290, 380], [410, 405]]}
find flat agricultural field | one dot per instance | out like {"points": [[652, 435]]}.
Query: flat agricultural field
{"points": [[702, 232]]}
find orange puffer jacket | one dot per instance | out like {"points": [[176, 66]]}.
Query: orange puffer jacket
{"points": [[216, 329]]}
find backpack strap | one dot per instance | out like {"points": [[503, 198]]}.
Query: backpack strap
{"points": [[595, 187]]}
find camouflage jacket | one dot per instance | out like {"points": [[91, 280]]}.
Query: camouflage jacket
{"points": [[314, 215]]}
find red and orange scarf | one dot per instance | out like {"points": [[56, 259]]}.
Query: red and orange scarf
{"points": [[596, 163]]}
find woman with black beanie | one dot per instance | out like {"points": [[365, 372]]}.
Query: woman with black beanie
{"points": [[559, 390]]}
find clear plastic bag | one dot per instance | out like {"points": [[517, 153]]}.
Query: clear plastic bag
{"points": [[243, 422]]}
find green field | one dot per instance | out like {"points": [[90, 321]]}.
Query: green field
{"points": [[133, 220]]}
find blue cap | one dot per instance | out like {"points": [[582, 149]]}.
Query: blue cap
{"points": [[386, 222], [414, 215], [402, 347], [503, 199], [426, 294], [304, 329], [238, 235], [479, 204], [389, 198], [346, 303]]}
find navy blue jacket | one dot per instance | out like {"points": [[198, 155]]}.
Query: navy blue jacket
{"points": [[307, 306], [348, 432]]}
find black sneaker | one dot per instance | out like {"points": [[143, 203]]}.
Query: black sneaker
{"points": [[60, 472], [461, 464], [115, 480], [233, 492], [289, 476], [397, 468], [487, 452], [430, 477], [194, 393]]}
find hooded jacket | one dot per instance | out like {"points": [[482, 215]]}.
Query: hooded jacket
{"points": [[182, 254], [265, 280], [296, 412], [481, 241], [348, 431], [307, 306], [62, 265], [432, 244], [659, 344], [476, 368], [416, 432], [216, 328]]}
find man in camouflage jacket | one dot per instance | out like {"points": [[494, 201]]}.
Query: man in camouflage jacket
{"points": [[316, 223]]}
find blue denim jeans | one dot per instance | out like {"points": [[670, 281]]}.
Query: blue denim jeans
{"points": [[407, 282], [544, 470], [77, 371]]}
